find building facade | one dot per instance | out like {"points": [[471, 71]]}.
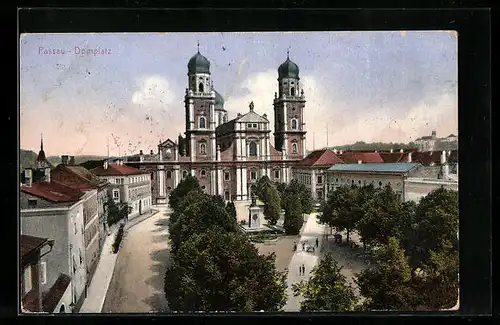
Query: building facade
{"points": [[51, 210], [229, 156], [127, 185], [377, 174]]}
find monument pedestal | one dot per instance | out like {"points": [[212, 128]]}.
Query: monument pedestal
{"points": [[255, 213]]}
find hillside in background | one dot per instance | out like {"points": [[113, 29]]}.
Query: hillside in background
{"points": [[27, 159], [379, 146]]}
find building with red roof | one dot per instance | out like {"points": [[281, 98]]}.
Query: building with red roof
{"points": [[53, 210], [127, 185]]}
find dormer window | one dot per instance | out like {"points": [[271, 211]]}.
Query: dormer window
{"points": [[252, 125], [202, 123]]}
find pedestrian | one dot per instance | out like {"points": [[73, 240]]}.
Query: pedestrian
{"points": [[317, 242], [303, 246], [303, 269], [294, 247], [300, 270]]}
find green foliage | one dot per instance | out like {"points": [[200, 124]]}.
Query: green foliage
{"points": [[185, 186], [231, 209], [222, 271], [262, 184], [327, 289], [118, 240], [267, 192], [379, 146], [386, 284], [27, 159], [296, 189], [293, 215], [197, 213], [116, 211]]}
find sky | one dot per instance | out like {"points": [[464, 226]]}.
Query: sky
{"points": [[359, 86]]}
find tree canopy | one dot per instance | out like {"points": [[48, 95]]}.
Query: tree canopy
{"points": [[293, 215], [185, 186], [327, 289]]}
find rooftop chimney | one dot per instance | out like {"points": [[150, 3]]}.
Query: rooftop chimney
{"points": [[391, 150], [360, 162], [105, 166], [151, 152], [401, 150], [409, 157], [71, 160], [64, 159], [140, 152], [340, 151]]}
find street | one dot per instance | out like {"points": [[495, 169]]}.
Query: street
{"points": [[310, 232], [137, 282]]}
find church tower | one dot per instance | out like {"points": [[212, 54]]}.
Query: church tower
{"points": [[289, 103], [200, 111]]}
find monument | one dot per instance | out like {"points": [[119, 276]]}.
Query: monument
{"points": [[254, 214]]}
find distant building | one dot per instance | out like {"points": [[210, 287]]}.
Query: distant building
{"points": [[376, 174], [52, 210], [33, 272], [416, 187], [432, 142], [128, 185], [41, 162]]}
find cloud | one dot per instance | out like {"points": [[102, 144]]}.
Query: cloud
{"points": [[385, 121]]}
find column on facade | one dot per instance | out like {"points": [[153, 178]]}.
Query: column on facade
{"points": [[161, 181], [268, 150], [268, 171], [220, 183], [191, 114], [213, 181], [303, 146], [244, 183], [244, 149], [313, 184], [193, 172], [285, 128], [192, 148], [238, 183], [176, 176]]}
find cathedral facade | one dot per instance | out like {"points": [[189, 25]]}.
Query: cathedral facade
{"points": [[229, 156]]}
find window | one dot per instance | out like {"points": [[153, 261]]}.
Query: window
{"points": [[117, 181], [169, 174], [203, 149], [76, 230], [200, 87], [227, 176], [202, 123], [227, 196], [32, 203], [294, 148], [81, 258], [252, 149], [276, 174], [116, 194], [203, 173], [253, 175], [184, 174], [294, 124], [320, 179], [27, 279], [292, 91], [252, 126], [74, 265]]}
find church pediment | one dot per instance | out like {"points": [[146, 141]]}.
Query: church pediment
{"points": [[167, 144]]}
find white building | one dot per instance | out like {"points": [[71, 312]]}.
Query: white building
{"points": [[129, 185], [416, 188], [377, 174], [52, 210]]}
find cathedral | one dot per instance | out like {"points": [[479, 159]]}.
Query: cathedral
{"points": [[229, 156]]}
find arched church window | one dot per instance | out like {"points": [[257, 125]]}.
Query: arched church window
{"points": [[294, 148], [292, 91], [294, 124], [200, 87], [169, 174], [252, 149], [202, 123], [203, 173], [203, 148]]}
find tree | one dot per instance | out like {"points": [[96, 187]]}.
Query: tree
{"points": [[272, 207], [380, 217], [262, 184], [406, 232], [437, 215], [293, 215], [327, 289], [304, 194], [201, 212], [221, 271], [231, 209], [386, 284], [281, 187], [116, 211], [437, 287], [185, 186]]}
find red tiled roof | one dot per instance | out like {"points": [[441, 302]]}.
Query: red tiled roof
{"points": [[320, 158], [86, 179], [352, 157], [53, 191], [29, 244], [117, 170], [52, 298], [426, 157], [394, 157]]}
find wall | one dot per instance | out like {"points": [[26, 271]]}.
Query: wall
{"points": [[77, 249], [417, 188], [378, 180], [65, 300]]}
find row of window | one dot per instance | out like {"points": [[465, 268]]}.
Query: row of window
{"points": [[139, 191], [353, 182], [91, 231]]}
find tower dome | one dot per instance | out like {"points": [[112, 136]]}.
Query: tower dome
{"points": [[198, 64], [288, 69], [219, 102]]}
